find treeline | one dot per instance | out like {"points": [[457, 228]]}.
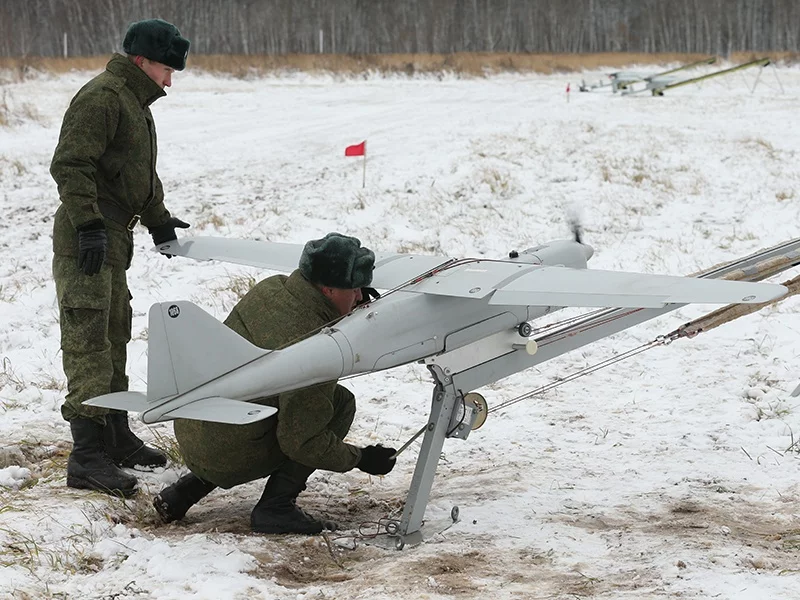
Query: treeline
{"points": [[96, 27]]}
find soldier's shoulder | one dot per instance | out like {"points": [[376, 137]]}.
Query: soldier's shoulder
{"points": [[109, 81], [105, 84], [273, 281], [268, 286], [267, 292], [93, 97]]}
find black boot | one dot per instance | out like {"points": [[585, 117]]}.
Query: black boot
{"points": [[89, 467], [277, 511], [127, 450], [174, 500]]}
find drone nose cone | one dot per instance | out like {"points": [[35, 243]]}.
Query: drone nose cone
{"points": [[588, 251]]}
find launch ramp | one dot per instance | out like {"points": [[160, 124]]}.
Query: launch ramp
{"points": [[454, 378]]}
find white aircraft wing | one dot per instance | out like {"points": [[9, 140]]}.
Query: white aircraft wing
{"points": [[628, 76], [391, 270], [267, 255], [511, 283], [221, 410], [658, 80], [130, 401], [520, 284], [562, 286], [215, 408]]}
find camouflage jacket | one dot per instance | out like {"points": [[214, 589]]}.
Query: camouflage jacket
{"points": [[278, 311], [107, 151]]}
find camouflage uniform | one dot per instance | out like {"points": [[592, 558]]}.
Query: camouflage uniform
{"points": [[106, 154], [311, 423]]}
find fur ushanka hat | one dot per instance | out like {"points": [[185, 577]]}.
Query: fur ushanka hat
{"points": [[159, 41], [337, 261]]}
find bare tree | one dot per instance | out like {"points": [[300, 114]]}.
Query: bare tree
{"points": [[96, 27]]}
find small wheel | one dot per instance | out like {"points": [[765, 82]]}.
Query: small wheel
{"points": [[392, 528], [399, 543], [525, 329], [454, 514]]}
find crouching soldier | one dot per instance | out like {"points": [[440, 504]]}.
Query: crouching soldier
{"points": [[308, 430]]}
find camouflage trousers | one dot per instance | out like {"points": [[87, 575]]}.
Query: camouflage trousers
{"points": [[95, 318], [253, 451]]}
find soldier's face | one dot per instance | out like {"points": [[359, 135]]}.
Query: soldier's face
{"points": [[344, 300], [158, 72]]}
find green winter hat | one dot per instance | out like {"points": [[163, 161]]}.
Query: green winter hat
{"points": [[159, 41], [337, 261]]}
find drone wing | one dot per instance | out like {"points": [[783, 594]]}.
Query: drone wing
{"points": [[561, 286], [508, 282], [391, 270]]}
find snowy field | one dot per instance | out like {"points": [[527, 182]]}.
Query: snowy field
{"points": [[670, 475]]}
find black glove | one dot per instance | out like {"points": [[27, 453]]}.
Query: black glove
{"points": [[377, 460], [92, 246], [166, 232], [368, 294]]}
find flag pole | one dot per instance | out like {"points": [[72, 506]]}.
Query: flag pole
{"points": [[364, 173], [359, 150]]}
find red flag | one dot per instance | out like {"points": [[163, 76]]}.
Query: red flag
{"points": [[357, 149], [568, 88]]}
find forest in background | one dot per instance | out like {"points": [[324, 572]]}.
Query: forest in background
{"points": [[85, 28], [461, 64]]}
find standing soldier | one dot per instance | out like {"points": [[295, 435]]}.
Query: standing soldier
{"points": [[105, 168]]}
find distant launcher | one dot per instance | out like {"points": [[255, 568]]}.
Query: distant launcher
{"points": [[622, 80], [626, 82], [658, 85]]}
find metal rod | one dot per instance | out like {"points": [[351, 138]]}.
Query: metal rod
{"points": [[409, 442]]}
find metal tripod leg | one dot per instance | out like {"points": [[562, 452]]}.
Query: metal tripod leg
{"points": [[445, 398]]}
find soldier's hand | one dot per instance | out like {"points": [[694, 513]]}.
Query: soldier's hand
{"points": [[92, 247], [377, 460], [166, 232]]}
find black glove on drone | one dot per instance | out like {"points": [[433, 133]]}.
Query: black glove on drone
{"points": [[92, 246], [368, 294], [376, 460], [166, 232]]}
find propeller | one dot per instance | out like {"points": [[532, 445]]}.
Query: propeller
{"points": [[575, 226]]}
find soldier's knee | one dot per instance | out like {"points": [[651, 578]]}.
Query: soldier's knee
{"points": [[344, 411], [84, 329], [344, 400], [84, 312]]}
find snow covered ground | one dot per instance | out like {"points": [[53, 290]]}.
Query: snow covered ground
{"points": [[669, 475]]}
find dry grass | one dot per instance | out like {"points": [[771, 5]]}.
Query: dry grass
{"points": [[169, 446], [238, 285], [467, 63], [5, 111], [8, 378], [11, 113]]}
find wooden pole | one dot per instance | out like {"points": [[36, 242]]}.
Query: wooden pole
{"points": [[364, 173]]}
